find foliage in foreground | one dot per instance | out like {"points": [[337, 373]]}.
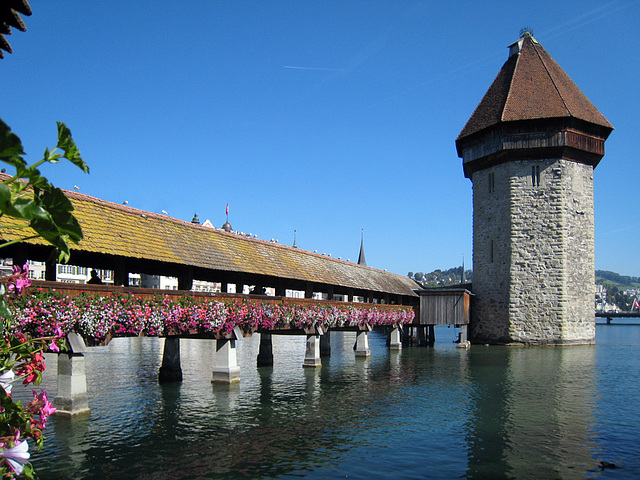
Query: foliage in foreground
{"points": [[35, 209]]}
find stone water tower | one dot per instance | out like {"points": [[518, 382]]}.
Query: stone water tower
{"points": [[530, 148]]}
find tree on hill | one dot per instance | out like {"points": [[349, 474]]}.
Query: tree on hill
{"points": [[441, 278], [615, 277]]}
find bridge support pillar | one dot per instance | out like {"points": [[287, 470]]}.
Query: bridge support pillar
{"points": [[407, 334], [312, 354], [225, 367], [171, 371], [421, 334], [71, 398], [395, 340], [432, 335], [362, 343], [265, 351], [463, 341], [325, 345]]}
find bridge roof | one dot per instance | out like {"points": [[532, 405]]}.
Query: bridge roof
{"points": [[121, 231]]}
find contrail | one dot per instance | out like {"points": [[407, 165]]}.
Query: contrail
{"points": [[316, 68]]}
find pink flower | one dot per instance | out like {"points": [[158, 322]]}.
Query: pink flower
{"points": [[46, 407], [54, 343], [20, 280]]}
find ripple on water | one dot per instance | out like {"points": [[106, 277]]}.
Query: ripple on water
{"points": [[420, 413]]}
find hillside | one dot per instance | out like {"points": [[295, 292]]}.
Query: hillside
{"points": [[442, 278], [622, 282]]}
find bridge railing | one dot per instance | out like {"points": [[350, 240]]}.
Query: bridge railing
{"points": [[75, 289], [99, 312]]}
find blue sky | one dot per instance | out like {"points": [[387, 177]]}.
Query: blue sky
{"points": [[328, 118]]}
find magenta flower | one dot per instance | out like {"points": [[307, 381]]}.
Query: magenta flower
{"points": [[47, 407], [54, 343], [20, 281]]}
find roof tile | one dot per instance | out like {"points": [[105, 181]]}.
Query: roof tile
{"points": [[530, 86], [119, 230]]}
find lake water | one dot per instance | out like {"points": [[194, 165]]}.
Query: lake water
{"points": [[441, 413]]}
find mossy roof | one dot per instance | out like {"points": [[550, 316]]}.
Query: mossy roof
{"points": [[122, 231]]}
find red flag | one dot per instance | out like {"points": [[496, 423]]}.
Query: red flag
{"points": [[227, 210], [636, 304]]}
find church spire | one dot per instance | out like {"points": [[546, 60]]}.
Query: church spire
{"points": [[361, 259]]}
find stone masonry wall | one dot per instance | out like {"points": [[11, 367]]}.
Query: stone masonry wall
{"points": [[579, 313], [491, 253], [536, 285]]}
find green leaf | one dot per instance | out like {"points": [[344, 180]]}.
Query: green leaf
{"points": [[5, 313], [5, 197], [36, 180], [28, 209], [71, 152], [60, 208], [11, 150], [54, 158]]}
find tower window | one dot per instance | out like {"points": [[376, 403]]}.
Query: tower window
{"points": [[491, 252], [535, 175], [492, 182]]}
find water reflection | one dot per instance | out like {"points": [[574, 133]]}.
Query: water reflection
{"points": [[534, 418], [416, 413]]}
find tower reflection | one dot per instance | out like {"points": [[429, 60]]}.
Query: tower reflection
{"points": [[533, 418]]}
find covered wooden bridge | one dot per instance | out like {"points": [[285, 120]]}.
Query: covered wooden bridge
{"points": [[127, 240]]}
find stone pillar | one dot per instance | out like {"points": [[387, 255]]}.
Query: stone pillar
{"points": [[325, 345], [171, 371], [463, 340], [71, 398], [312, 355], [395, 340], [225, 367], [362, 344], [265, 352]]}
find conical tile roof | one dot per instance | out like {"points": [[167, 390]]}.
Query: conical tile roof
{"points": [[531, 86]]}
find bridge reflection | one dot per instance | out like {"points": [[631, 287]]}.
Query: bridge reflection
{"points": [[238, 319]]}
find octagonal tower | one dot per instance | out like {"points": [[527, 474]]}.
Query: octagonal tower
{"points": [[530, 148]]}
